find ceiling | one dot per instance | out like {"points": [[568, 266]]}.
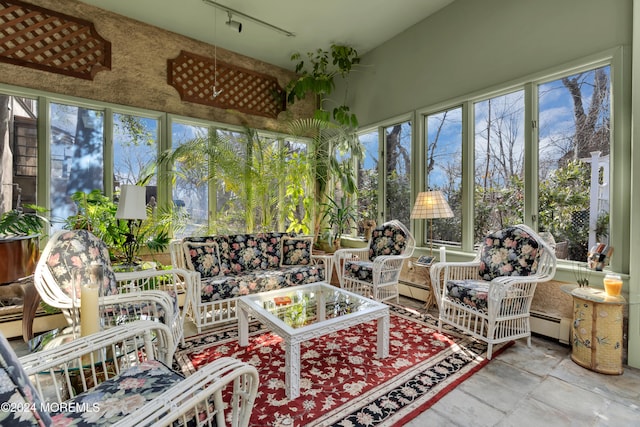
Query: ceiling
{"points": [[362, 24]]}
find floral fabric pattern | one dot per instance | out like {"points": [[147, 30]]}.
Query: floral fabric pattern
{"points": [[361, 270], [225, 287], [250, 263], [120, 395], [296, 251], [473, 293], [203, 258], [15, 388], [508, 252], [74, 249], [387, 240]]}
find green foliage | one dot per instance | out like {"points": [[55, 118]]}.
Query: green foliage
{"points": [[316, 73], [342, 217], [97, 213], [16, 222]]}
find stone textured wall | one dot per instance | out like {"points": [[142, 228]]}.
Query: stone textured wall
{"points": [[138, 75]]}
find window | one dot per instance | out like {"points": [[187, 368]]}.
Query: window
{"points": [[77, 157], [499, 163], [443, 171], [574, 148], [397, 140], [368, 177], [190, 189], [135, 150]]}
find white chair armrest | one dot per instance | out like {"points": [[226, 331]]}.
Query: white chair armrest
{"points": [[207, 383]]}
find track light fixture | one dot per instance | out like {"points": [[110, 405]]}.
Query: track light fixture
{"points": [[238, 26], [234, 24]]}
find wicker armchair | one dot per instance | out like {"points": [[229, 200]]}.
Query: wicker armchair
{"points": [[116, 377], [374, 271], [124, 299], [490, 297]]}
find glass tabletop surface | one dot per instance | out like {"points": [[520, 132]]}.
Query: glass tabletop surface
{"points": [[306, 305]]}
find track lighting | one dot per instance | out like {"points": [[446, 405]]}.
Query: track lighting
{"points": [[238, 25], [234, 24]]}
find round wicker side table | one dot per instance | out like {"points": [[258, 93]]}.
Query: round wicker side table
{"points": [[597, 331]]}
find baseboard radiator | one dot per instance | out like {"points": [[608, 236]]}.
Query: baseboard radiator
{"points": [[551, 326]]}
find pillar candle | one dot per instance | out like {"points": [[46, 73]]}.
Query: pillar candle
{"points": [[443, 254], [89, 312]]}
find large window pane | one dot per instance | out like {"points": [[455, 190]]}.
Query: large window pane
{"points": [[444, 171], [398, 171], [499, 163], [18, 167], [77, 157], [574, 161], [368, 178], [135, 148], [190, 188]]}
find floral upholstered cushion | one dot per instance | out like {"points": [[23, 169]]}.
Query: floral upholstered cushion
{"points": [[246, 252], [79, 248], [475, 293], [225, 287], [296, 250], [203, 257], [359, 270], [111, 400], [387, 239], [16, 390], [508, 252]]}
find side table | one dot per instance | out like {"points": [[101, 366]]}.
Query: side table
{"points": [[597, 330]]}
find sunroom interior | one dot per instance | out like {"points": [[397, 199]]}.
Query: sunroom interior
{"points": [[500, 84]]}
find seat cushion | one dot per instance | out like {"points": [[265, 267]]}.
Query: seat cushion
{"points": [[225, 287], [473, 293], [509, 252], [117, 397], [359, 270]]}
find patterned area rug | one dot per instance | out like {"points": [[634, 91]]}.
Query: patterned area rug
{"points": [[342, 382]]}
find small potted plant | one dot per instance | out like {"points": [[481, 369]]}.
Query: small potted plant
{"points": [[341, 218]]}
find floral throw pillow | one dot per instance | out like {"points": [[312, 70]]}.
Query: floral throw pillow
{"points": [[203, 257], [296, 251], [509, 252]]}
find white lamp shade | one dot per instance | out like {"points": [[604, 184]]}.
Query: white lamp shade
{"points": [[132, 202], [430, 205]]}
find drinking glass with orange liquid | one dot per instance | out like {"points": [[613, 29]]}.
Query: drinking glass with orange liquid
{"points": [[612, 284]]}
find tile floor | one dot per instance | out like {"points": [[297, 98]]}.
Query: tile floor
{"points": [[537, 386]]}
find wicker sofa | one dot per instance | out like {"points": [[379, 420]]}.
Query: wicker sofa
{"points": [[240, 264]]}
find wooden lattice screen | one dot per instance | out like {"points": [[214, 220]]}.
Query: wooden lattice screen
{"points": [[35, 37], [194, 76]]}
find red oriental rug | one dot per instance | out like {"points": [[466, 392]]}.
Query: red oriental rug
{"points": [[342, 382]]}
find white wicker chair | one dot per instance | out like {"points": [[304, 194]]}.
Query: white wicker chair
{"points": [[134, 388], [490, 297], [374, 271], [125, 296]]}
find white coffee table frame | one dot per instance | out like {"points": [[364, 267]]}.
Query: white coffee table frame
{"points": [[252, 305]]}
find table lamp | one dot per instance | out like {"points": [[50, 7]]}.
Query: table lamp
{"points": [[430, 205], [131, 207]]}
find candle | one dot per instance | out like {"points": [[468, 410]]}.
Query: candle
{"points": [[89, 313], [612, 284], [443, 254]]}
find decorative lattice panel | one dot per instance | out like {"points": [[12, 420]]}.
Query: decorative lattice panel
{"points": [[35, 37], [194, 77]]}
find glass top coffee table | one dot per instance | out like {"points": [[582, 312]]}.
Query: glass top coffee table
{"points": [[300, 313]]}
